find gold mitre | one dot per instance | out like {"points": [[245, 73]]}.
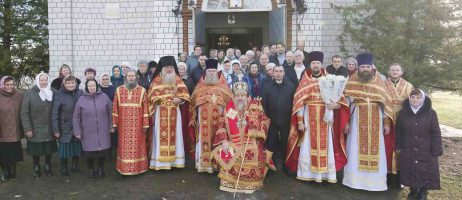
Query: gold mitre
{"points": [[240, 88]]}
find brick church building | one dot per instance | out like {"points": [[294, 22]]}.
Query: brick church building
{"points": [[102, 33]]}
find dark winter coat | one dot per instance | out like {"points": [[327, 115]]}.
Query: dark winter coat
{"points": [[144, 80], [62, 113], [255, 84], [292, 75], [189, 84], [93, 120], [117, 81], [36, 116], [418, 138], [56, 84], [342, 71], [277, 101], [109, 91], [10, 112]]}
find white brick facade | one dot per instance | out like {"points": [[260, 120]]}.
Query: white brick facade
{"points": [[320, 27], [82, 36]]}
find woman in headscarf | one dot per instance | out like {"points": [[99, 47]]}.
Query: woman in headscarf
{"points": [[61, 124], [10, 127], [64, 70], [144, 75], [183, 70], [36, 123], [418, 141], [125, 67], [117, 79], [106, 86], [109, 90], [92, 124]]}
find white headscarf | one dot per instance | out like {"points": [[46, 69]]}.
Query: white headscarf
{"points": [[421, 102], [126, 64], [101, 78], [44, 93]]}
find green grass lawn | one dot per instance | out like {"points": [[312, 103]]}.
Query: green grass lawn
{"points": [[449, 108]]}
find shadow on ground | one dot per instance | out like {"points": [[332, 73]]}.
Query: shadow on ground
{"points": [[175, 184]]}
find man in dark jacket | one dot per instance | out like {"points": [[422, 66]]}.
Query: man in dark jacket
{"points": [[277, 102], [193, 60], [196, 73], [336, 67], [294, 73]]}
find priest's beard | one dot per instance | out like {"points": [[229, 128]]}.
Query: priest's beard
{"points": [[241, 104], [211, 80], [131, 84], [365, 76], [168, 79]]}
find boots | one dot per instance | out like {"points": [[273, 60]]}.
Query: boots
{"points": [[6, 174], [48, 171], [64, 169], [12, 171], [75, 164], [91, 173], [422, 194], [100, 173], [37, 173]]}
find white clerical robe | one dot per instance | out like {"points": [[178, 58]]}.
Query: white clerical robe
{"points": [[352, 176], [179, 161]]}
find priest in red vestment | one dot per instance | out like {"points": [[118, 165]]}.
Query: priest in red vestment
{"points": [[166, 93], [130, 117], [208, 101], [316, 147]]}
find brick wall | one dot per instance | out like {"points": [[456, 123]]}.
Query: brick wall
{"points": [[320, 27], [81, 35]]}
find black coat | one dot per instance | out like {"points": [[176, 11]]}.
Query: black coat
{"points": [[196, 75], [109, 91], [277, 101], [62, 113], [418, 138], [189, 84], [144, 80], [292, 74], [343, 71]]}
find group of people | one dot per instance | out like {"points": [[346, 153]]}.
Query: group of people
{"points": [[242, 115]]}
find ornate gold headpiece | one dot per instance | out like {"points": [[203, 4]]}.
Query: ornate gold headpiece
{"points": [[240, 88]]}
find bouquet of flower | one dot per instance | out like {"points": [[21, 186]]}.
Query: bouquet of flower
{"points": [[331, 88]]}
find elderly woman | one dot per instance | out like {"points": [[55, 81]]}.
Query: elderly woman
{"points": [[92, 124], [183, 69], [109, 90], [61, 124], [352, 65], [64, 70], [418, 141], [36, 123], [117, 79], [10, 127], [125, 67], [144, 75]]}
